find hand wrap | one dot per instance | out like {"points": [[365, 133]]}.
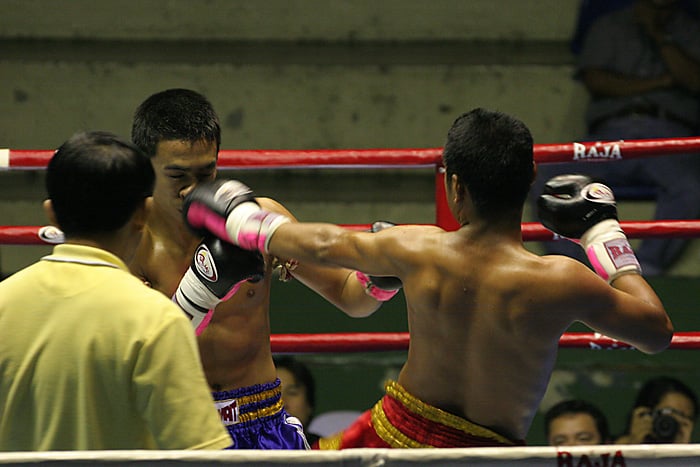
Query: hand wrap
{"points": [[381, 288]]}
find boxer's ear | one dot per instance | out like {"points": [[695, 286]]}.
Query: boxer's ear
{"points": [[457, 188], [50, 214], [142, 212]]}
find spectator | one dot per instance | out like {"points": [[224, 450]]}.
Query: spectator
{"points": [[664, 412], [575, 422], [90, 358], [298, 391], [641, 67], [299, 397]]}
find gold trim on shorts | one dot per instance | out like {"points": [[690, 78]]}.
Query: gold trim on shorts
{"points": [[258, 397], [260, 413], [429, 412], [389, 433]]}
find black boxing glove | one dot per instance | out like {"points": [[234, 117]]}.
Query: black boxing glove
{"points": [[227, 208], [381, 288], [217, 271], [575, 207]]}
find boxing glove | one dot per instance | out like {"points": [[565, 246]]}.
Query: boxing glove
{"points": [[381, 288], [217, 271], [228, 210], [575, 207]]}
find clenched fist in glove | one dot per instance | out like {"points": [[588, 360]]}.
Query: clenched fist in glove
{"points": [[381, 288], [575, 207], [227, 208], [217, 271]]}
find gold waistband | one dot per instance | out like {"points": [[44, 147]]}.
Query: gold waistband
{"points": [[392, 435], [261, 412]]}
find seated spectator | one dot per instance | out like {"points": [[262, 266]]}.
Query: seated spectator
{"points": [[641, 67], [299, 397], [575, 422], [298, 391], [664, 412]]}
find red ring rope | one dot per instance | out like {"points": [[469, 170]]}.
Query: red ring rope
{"points": [[532, 231], [369, 342], [346, 342], [544, 153]]}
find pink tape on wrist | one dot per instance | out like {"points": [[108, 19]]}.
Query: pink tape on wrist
{"points": [[372, 290], [233, 290], [597, 266], [204, 323]]}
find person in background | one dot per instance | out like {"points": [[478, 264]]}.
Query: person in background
{"points": [[664, 411], [641, 67], [575, 422], [90, 358], [298, 391]]}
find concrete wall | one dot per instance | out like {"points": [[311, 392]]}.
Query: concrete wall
{"points": [[283, 74]]}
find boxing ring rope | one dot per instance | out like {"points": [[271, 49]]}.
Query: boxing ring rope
{"points": [[589, 152], [531, 456], [284, 158], [346, 342], [586, 152], [602, 455], [532, 231]]}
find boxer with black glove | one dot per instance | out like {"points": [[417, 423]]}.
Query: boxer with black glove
{"points": [[217, 271], [381, 288], [579, 209]]}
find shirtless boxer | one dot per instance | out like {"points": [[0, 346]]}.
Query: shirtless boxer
{"points": [[485, 315], [180, 131]]}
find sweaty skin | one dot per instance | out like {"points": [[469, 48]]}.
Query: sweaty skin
{"points": [[235, 347], [485, 315]]}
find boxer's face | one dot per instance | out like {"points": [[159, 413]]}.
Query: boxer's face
{"points": [[179, 166]]}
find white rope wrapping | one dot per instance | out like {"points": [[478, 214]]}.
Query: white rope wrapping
{"points": [[531, 456]]}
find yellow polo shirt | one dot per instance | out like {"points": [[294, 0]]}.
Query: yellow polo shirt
{"points": [[91, 358]]}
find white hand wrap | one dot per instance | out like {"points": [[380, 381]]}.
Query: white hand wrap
{"points": [[195, 300], [609, 251], [251, 227]]}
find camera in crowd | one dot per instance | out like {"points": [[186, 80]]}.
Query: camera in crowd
{"points": [[664, 427]]}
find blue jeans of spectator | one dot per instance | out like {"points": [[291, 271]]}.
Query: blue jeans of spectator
{"points": [[674, 178]]}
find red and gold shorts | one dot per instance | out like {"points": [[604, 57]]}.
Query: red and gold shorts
{"points": [[400, 420]]}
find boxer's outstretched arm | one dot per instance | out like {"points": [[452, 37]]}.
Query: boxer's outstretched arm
{"points": [[385, 253], [337, 285]]}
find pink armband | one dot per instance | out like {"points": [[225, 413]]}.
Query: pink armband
{"points": [[372, 290]]}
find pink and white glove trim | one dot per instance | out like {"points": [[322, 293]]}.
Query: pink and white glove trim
{"points": [[609, 251], [197, 301], [251, 228], [372, 290]]}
